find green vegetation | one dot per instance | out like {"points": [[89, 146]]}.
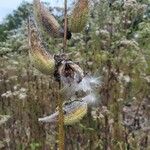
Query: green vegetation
{"points": [[14, 20]]}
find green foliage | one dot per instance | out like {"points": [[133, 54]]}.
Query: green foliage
{"points": [[34, 146], [16, 41], [14, 20]]}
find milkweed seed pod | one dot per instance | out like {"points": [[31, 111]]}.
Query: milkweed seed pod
{"points": [[74, 111], [39, 56], [79, 16], [48, 21], [70, 72]]}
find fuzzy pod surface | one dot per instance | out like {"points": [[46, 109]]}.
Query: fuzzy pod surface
{"points": [[42, 60], [79, 16], [47, 21], [74, 111]]}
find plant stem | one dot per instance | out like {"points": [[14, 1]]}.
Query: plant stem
{"points": [[61, 132], [65, 25], [60, 122]]}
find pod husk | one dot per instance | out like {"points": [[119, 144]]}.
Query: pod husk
{"points": [[47, 20], [79, 16], [74, 111], [70, 72], [42, 60], [76, 115]]}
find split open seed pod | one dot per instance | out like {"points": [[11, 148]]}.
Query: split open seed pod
{"points": [[74, 111], [47, 21], [79, 16], [70, 72], [39, 56]]}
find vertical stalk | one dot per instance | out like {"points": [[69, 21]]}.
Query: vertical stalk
{"points": [[61, 132], [60, 122], [65, 26]]}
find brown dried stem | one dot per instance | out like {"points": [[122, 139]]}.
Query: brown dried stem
{"points": [[60, 102]]}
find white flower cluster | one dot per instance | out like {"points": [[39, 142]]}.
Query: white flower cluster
{"points": [[124, 78], [20, 93], [129, 43], [130, 4], [4, 118]]}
